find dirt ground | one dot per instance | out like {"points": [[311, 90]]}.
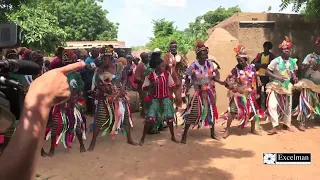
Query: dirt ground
{"points": [[239, 157]]}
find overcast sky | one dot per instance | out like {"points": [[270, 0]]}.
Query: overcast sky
{"points": [[135, 16]]}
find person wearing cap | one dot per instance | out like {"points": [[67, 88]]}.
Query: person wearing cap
{"points": [[281, 71], [242, 92], [68, 120], [309, 102], [176, 64], [113, 113]]}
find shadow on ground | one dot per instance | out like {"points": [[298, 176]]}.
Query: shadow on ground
{"points": [[159, 158]]}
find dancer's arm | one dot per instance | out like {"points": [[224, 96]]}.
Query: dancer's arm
{"points": [[271, 68]]}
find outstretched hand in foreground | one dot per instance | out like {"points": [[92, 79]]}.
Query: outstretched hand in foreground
{"points": [[24, 147]]}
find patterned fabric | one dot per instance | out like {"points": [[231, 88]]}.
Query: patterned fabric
{"points": [[199, 74], [201, 109], [161, 107], [283, 68], [312, 59], [112, 110], [164, 82], [309, 106], [243, 103], [246, 77], [280, 105], [111, 116], [68, 119]]}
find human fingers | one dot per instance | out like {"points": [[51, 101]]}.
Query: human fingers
{"points": [[71, 67]]}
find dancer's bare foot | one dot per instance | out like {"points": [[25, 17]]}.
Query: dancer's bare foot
{"points": [[183, 140], [285, 127], [43, 153], [226, 134], [272, 132], [51, 153], [91, 147], [133, 143], [174, 139], [82, 149], [214, 136], [301, 127], [141, 143], [254, 132]]}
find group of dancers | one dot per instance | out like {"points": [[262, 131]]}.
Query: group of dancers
{"points": [[162, 83]]}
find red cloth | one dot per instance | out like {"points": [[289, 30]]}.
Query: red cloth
{"points": [[1, 139], [54, 63], [162, 88]]}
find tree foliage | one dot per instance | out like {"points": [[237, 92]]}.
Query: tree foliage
{"points": [[82, 19], [164, 31], [39, 27], [10, 5], [200, 26], [47, 23], [311, 8]]}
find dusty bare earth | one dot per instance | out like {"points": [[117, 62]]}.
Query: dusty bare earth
{"points": [[238, 157]]}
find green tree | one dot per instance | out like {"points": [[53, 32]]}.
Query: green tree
{"points": [[165, 31], [311, 8], [82, 19], [200, 26], [9, 6], [163, 28], [39, 27]]}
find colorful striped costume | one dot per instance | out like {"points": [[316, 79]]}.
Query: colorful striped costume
{"points": [[309, 101], [201, 108], [279, 100], [243, 96], [68, 118], [112, 110], [161, 101]]}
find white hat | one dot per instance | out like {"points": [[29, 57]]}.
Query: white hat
{"points": [[156, 50]]}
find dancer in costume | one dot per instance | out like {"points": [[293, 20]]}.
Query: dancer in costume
{"points": [[281, 70], [176, 65], [142, 71], [160, 85], [112, 110], [68, 120], [201, 109], [309, 101], [242, 93], [261, 62]]}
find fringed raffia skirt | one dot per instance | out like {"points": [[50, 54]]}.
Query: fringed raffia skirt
{"points": [[309, 101], [112, 116], [201, 109], [66, 124], [245, 107]]}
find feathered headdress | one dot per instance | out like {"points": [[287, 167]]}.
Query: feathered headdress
{"points": [[241, 51], [200, 46], [286, 43], [67, 55]]}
